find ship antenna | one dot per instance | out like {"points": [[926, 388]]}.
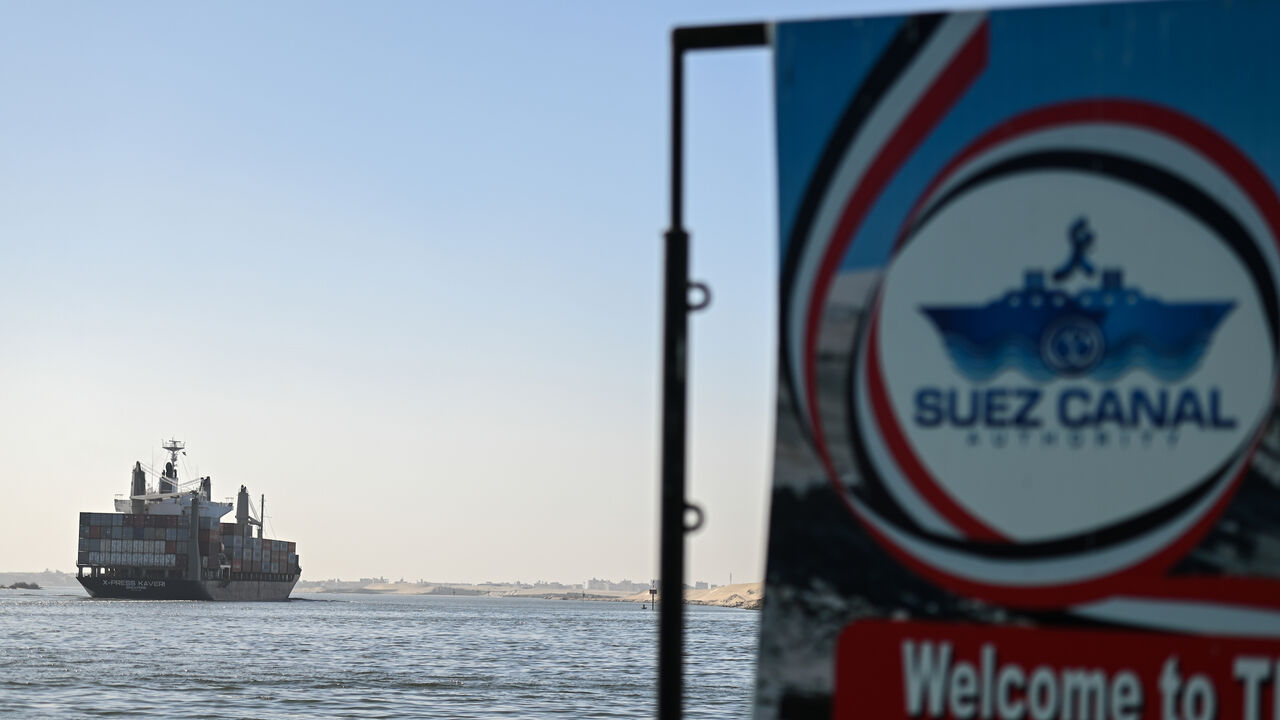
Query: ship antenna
{"points": [[174, 447]]}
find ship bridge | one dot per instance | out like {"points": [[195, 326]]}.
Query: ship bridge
{"points": [[168, 495]]}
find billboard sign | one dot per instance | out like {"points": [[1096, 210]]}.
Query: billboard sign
{"points": [[1028, 365]]}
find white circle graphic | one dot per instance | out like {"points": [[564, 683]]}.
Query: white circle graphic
{"points": [[1071, 354]]}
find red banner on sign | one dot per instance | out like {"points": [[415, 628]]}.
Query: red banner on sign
{"points": [[890, 669]]}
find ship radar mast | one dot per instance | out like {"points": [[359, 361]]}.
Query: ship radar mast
{"points": [[174, 447], [169, 483]]}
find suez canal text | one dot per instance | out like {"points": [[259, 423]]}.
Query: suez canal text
{"points": [[939, 682], [1073, 407]]}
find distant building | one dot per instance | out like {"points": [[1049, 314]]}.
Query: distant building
{"points": [[623, 586]]}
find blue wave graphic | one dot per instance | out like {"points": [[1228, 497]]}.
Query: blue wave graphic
{"points": [[981, 363]]}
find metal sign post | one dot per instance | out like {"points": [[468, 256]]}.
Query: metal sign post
{"points": [[676, 309]]}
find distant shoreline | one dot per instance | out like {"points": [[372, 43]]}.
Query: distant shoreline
{"points": [[749, 596], [47, 579]]}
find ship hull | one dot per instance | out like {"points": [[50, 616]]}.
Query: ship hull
{"points": [[175, 589]]}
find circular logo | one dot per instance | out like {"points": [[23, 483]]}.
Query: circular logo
{"points": [[1071, 354], [1072, 345]]}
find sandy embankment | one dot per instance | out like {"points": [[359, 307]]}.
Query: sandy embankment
{"points": [[741, 595], [749, 596]]}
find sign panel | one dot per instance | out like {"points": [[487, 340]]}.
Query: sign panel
{"points": [[1027, 461]]}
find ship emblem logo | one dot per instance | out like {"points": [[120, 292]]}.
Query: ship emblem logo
{"points": [[1101, 332]]}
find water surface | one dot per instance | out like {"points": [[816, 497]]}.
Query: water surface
{"points": [[63, 655]]}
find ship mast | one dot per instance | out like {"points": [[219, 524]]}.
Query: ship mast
{"points": [[174, 447], [169, 483]]}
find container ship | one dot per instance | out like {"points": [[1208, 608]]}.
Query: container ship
{"points": [[166, 541]]}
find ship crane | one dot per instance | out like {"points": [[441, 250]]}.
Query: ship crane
{"points": [[245, 519]]}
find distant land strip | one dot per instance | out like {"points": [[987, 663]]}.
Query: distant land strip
{"points": [[748, 596]]}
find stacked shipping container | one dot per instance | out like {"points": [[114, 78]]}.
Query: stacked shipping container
{"points": [[258, 555], [115, 539], [162, 541]]}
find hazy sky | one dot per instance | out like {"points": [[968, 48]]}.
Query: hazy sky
{"points": [[395, 265]]}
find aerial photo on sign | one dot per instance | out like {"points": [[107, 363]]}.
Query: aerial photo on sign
{"points": [[1027, 452]]}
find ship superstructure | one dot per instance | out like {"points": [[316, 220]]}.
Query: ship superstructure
{"points": [[166, 542]]}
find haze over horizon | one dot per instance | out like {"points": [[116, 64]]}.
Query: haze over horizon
{"points": [[396, 267]]}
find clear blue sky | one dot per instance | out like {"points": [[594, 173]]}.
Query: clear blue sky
{"points": [[396, 265]]}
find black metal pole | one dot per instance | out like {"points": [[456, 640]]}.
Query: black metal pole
{"points": [[675, 321]]}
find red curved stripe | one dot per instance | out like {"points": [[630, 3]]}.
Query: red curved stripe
{"points": [[1120, 111], [900, 447], [943, 93], [1145, 579]]}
